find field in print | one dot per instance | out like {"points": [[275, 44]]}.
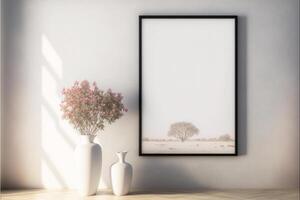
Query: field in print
{"points": [[189, 146]]}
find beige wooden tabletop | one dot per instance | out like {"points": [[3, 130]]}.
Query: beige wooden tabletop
{"points": [[186, 195]]}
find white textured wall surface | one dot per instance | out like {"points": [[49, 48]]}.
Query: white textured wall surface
{"points": [[51, 43]]}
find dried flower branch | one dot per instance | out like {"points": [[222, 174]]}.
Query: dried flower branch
{"points": [[88, 108]]}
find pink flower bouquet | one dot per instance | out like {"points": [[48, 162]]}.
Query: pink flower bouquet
{"points": [[88, 108]]}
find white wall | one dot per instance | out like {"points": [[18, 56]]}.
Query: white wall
{"points": [[51, 43], [0, 78]]}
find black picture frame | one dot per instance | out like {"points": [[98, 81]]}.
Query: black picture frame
{"points": [[235, 18]]}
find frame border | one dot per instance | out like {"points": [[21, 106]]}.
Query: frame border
{"points": [[141, 17]]}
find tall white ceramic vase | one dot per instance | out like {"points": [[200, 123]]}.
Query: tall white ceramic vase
{"points": [[121, 175], [88, 158]]}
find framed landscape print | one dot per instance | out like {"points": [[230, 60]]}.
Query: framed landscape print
{"points": [[188, 85]]}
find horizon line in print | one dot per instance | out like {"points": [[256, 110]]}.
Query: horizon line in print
{"points": [[182, 137]]}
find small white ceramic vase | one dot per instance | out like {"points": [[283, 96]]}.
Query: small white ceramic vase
{"points": [[121, 175], [88, 158]]}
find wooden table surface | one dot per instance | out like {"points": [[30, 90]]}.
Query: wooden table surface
{"points": [[185, 195]]}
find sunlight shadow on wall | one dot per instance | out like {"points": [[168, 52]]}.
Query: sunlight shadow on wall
{"points": [[52, 115], [57, 144], [52, 58], [50, 173]]}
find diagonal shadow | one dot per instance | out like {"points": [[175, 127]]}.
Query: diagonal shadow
{"points": [[57, 125], [53, 74], [53, 168]]}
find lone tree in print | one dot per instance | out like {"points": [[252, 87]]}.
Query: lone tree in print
{"points": [[182, 130]]}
